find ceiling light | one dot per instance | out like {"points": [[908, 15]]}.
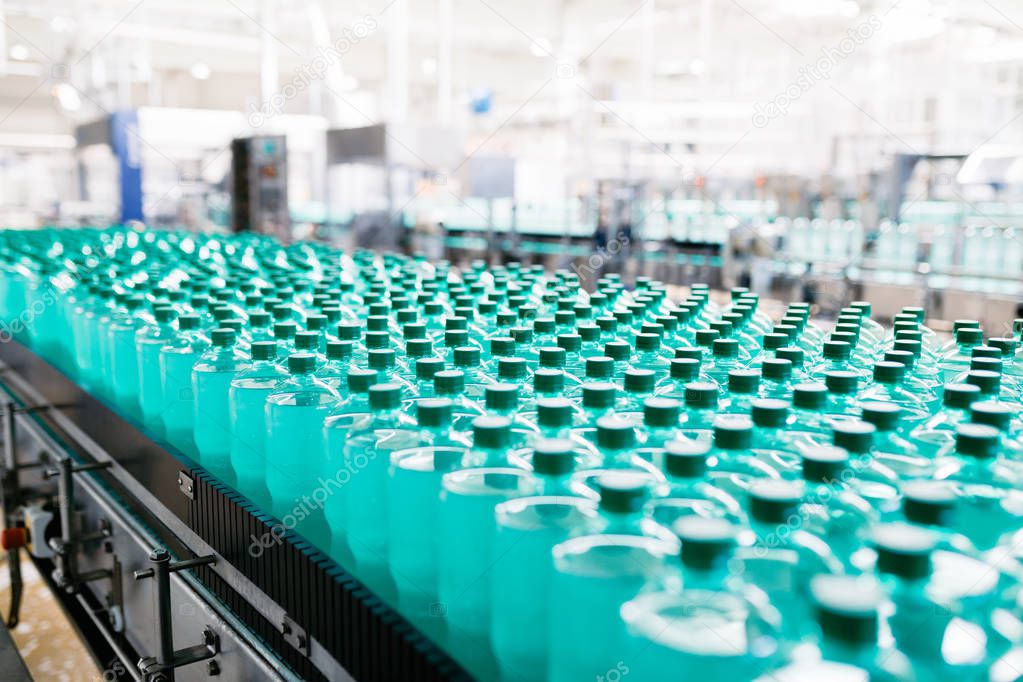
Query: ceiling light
{"points": [[428, 66], [19, 52], [67, 97], [201, 71]]}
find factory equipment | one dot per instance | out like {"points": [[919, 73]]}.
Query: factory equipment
{"points": [[259, 185]]}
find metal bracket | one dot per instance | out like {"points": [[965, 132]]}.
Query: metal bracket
{"points": [[160, 668], [186, 485], [295, 635]]}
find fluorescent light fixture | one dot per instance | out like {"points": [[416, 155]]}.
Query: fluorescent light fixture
{"points": [[201, 71], [67, 97]]}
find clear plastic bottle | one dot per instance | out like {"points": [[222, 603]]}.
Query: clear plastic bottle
{"points": [[780, 557], [603, 572], [124, 362], [465, 549], [689, 492], [847, 610], [176, 361], [528, 529], [295, 413], [372, 440], [212, 375], [246, 407], [149, 340], [701, 401]]}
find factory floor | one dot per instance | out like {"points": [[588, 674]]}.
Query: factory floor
{"points": [[48, 643]]}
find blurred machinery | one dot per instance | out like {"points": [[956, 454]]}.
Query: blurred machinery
{"points": [[259, 186]]}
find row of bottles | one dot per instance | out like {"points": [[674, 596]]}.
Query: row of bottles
{"points": [[563, 485]]}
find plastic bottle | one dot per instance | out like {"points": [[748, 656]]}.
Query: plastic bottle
{"points": [[295, 413], [465, 547], [212, 375], [367, 455], [124, 362], [149, 340], [176, 361], [246, 408], [712, 628], [528, 529]]}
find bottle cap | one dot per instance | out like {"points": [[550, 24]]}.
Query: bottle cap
{"points": [[687, 353], [841, 382], [307, 341], [511, 368], [414, 348], [552, 356], [883, 415], [769, 412], [701, 394], [301, 363], [992, 413], [684, 369], [502, 346], [726, 348], [385, 396], [449, 382], [792, 354], [554, 457], [930, 503], [904, 550], [776, 369], [824, 463], [969, 336], [188, 322], [554, 412], [855, 435], [222, 337], [836, 350], [888, 372], [661, 412], [976, 440], [615, 433], [706, 543], [427, 368], [359, 380], [349, 331], [501, 396], [263, 350], [775, 340], [380, 358], [774, 501], [988, 382], [648, 342], [733, 433], [743, 381], [623, 492], [847, 607], [960, 396], [599, 395], [548, 380], [492, 432], [686, 458], [467, 356], [639, 380], [599, 367], [618, 350]]}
